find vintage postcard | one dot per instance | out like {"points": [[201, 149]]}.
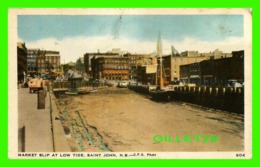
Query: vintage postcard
{"points": [[131, 83]]}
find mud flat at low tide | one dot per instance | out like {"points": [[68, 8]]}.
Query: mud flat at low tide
{"points": [[119, 120]]}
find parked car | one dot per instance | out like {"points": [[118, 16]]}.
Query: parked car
{"points": [[35, 84], [235, 83], [122, 84]]}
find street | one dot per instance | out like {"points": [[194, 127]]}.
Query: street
{"points": [[34, 125]]}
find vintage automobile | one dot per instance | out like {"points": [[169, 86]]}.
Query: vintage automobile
{"points": [[122, 84], [235, 83], [35, 84]]}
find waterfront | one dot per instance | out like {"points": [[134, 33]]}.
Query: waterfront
{"points": [[115, 119]]}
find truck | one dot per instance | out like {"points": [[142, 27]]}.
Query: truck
{"points": [[35, 84]]}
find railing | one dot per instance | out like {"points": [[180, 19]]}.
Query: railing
{"points": [[65, 85]]}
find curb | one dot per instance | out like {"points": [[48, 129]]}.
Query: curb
{"points": [[60, 143]]}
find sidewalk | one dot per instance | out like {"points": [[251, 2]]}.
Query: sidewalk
{"points": [[34, 123]]}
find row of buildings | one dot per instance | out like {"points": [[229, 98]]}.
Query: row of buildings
{"points": [[189, 67], [215, 71], [116, 66], [213, 68], [36, 61]]}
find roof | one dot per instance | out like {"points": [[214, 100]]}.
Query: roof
{"points": [[101, 54], [21, 45]]}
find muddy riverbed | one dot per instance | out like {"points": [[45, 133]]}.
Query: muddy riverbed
{"points": [[120, 120]]}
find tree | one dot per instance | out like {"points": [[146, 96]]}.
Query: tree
{"points": [[79, 65], [67, 67]]}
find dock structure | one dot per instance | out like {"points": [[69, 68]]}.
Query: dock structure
{"points": [[223, 98]]}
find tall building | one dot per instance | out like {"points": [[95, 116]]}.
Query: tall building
{"points": [[136, 60], [48, 61], [110, 68], [190, 73], [214, 72], [21, 61], [237, 64], [32, 55], [89, 56], [172, 63]]}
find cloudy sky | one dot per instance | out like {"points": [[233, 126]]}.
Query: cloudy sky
{"points": [[74, 35]]}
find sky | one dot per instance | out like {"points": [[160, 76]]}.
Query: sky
{"points": [[74, 35]]}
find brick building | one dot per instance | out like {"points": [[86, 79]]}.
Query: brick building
{"points": [[190, 73], [89, 56], [214, 72], [48, 61], [172, 63], [21, 61], [237, 64], [138, 60], [110, 68], [147, 74]]}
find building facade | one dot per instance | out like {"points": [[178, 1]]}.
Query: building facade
{"points": [[110, 68], [21, 61], [172, 63], [48, 61], [190, 73], [32, 55], [216, 54], [89, 56], [147, 74], [237, 64], [138, 60], [214, 72]]}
